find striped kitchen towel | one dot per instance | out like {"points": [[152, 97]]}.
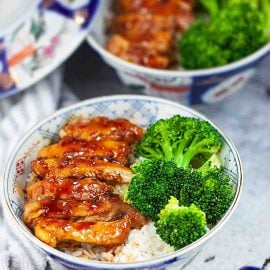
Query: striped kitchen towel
{"points": [[17, 114]]}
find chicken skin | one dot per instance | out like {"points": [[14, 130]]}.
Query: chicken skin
{"points": [[53, 231], [111, 209], [123, 209], [127, 5], [71, 147], [84, 189], [102, 128], [63, 209], [82, 167]]}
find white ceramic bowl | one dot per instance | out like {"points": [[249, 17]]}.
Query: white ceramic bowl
{"points": [[187, 87], [141, 110]]}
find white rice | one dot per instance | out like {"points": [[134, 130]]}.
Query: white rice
{"points": [[141, 245], [120, 190]]}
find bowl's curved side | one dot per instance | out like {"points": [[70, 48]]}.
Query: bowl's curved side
{"points": [[142, 111], [188, 87]]}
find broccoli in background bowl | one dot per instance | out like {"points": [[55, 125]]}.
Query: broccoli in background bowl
{"points": [[235, 30], [191, 87], [181, 183]]}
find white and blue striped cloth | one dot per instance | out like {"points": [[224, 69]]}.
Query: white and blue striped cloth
{"points": [[17, 114]]}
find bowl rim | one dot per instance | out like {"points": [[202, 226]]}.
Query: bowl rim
{"points": [[118, 62], [75, 260]]}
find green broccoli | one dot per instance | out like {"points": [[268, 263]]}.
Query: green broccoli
{"points": [[209, 189], [212, 162], [265, 13], [213, 7], [154, 181], [152, 184], [232, 33], [179, 226], [180, 139]]}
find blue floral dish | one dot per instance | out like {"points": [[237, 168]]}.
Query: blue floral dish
{"points": [[141, 110], [44, 35]]}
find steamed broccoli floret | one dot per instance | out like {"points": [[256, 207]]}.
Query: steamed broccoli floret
{"points": [[211, 6], [233, 32], [210, 190], [212, 162], [262, 6], [154, 181], [152, 184], [180, 139], [198, 50], [215, 6], [179, 226]]}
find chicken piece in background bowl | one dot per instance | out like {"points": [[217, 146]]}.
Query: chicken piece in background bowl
{"points": [[143, 65], [142, 248]]}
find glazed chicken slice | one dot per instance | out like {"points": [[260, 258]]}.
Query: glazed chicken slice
{"points": [[63, 209], [72, 147], [145, 54], [53, 231], [82, 167], [84, 189], [112, 209], [142, 26], [123, 6], [102, 128], [119, 210], [122, 209]]}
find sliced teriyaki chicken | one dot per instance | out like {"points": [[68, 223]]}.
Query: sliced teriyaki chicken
{"points": [[143, 23], [127, 5], [71, 197], [119, 209], [123, 209], [146, 32], [102, 128], [84, 189], [71, 147], [63, 209], [81, 211], [148, 55], [82, 167], [53, 231]]}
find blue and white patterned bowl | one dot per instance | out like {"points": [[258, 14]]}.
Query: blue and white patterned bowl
{"points": [[203, 86], [141, 110]]}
